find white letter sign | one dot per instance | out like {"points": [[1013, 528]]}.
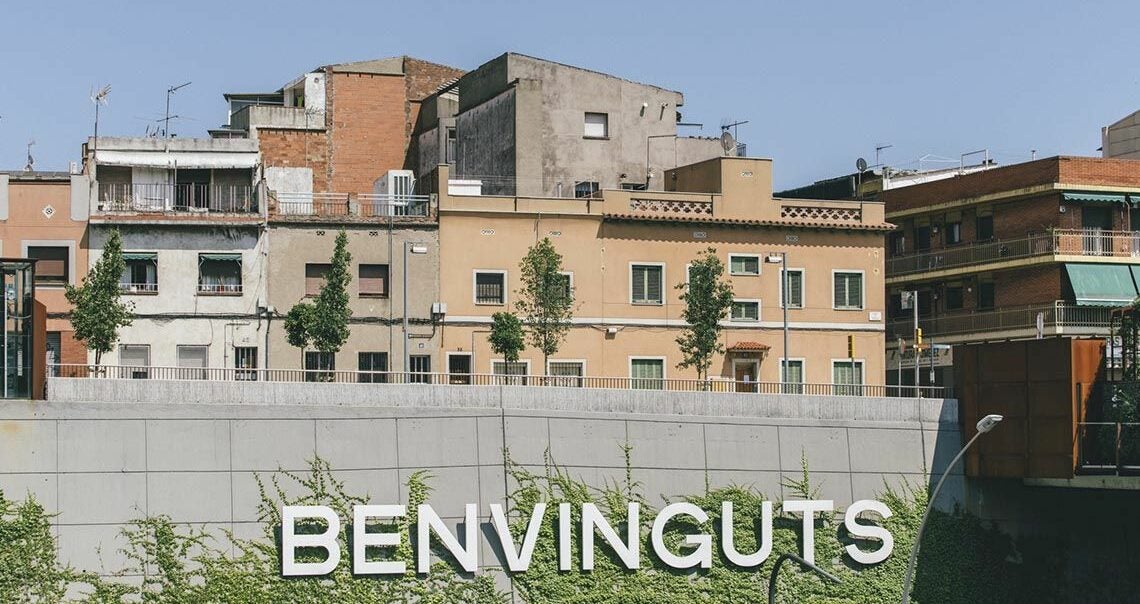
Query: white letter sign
{"points": [[290, 540]]}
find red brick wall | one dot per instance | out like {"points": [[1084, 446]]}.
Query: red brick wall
{"points": [[1027, 286], [296, 148], [421, 79], [367, 129], [71, 351]]}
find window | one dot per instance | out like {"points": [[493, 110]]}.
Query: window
{"points": [[54, 345], [898, 243], [795, 284], [792, 376], [922, 237], [192, 362], [586, 188], [740, 264], [373, 367], [135, 361], [745, 310], [141, 273], [647, 374], [986, 294], [319, 366], [953, 232], [245, 362], [458, 368], [419, 365], [597, 125], [954, 298], [646, 284], [566, 282], [373, 280], [847, 377], [848, 290], [219, 273], [53, 265], [490, 287], [449, 151], [315, 278], [640, 186], [984, 227], [514, 373], [567, 374]]}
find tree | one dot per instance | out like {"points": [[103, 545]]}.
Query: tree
{"points": [[98, 312], [546, 300], [324, 324], [707, 299], [506, 336]]}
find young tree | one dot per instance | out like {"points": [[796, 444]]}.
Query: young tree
{"points": [[98, 312], [707, 299], [546, 300], [506, 336], [324, 324]]}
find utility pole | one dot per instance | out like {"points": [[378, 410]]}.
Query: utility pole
{"points": [[917, 347]]}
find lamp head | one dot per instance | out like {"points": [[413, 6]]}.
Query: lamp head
{"points": [[988, 422]]}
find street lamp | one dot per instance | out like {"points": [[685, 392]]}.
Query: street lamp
{"points": [[801, 562], [782, 260], [986, 424], [415, 247]]}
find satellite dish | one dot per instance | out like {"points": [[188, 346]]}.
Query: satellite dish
{"points": [[861, 164], [728, 143]]}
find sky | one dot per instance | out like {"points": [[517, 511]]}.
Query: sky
{"points": [[820, 83]]}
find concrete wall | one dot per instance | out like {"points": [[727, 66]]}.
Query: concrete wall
{"points": [[485, 144], [101, 464], [376, 321]]}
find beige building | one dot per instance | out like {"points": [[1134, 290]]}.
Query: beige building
{"points": [[626, 251], [382, 231], [1121, 140]]}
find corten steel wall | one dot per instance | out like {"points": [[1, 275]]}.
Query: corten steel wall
{"points": [[1033, 384], [101, 464]]}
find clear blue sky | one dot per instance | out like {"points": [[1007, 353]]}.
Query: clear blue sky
{"points": [[821, 82]]}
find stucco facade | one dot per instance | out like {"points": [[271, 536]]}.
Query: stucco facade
{"points": [[603, 239], [376, 325], [36, 214]]}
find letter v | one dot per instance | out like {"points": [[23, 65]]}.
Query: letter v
{"points": [[517, 561]]}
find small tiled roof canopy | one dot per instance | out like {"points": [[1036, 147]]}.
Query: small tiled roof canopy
{"points": [[748, 347]]}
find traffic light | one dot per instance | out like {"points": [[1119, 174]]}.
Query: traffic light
{"points": [[850, 346], [918, 335]]}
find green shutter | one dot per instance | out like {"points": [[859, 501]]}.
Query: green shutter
{"points": [[653, 287]]}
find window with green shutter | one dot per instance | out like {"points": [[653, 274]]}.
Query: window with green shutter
{"points": [[745, 310], [646, 284], [792, 376], [795, 285], [847, 377], [848, 291], [647, 374], [741, 264]]}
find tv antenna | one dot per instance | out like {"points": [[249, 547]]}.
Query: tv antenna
{"points": [[166, 120], [31, 160], [879, 149], [99, 98]]}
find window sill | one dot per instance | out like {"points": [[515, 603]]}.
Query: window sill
{"points": [[744, 274], [222, 294], [383, 296], [490, 303], [848, 308], [646, 303], [595, 138], [132, 292]]}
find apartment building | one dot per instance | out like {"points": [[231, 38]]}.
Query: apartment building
{"points": [[1121, 140], [337, 128], [387, 234], [191, 219], [43, 217], [519, 125], [1042, 248], [626, 251]]}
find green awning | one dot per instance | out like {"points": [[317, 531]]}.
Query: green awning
{"points": [[1101, 284], [1092, 197], [229, 257], [140, 255]]}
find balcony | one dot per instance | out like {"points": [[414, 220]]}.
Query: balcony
{"points": [[1056, 318], [347, 206], [1093, 243], [177, 198]]}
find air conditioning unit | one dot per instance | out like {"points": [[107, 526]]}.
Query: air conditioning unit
{"points": [[394, 192], [438, 309]]}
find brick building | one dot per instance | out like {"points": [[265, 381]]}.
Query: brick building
{"points": [[1044, 247], [338, 128]]}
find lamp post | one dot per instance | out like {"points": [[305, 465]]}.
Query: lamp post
{"points": [[985, 424], [415, 247], [801, 562], [782, 260]]}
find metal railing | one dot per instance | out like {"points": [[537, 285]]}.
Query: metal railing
{"points": [[1071, 242], [485, 379], [139, 288], [357, 205], [1055, 314], [219, 288], [1108, 448], [162, 197]]}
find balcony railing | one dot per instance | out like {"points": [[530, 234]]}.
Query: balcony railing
{"points": [[1053, 315], [1108, 448], [190, 198], [343, 205], [484, 379], [1062, 242], [220, 289], [138, 288]]}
